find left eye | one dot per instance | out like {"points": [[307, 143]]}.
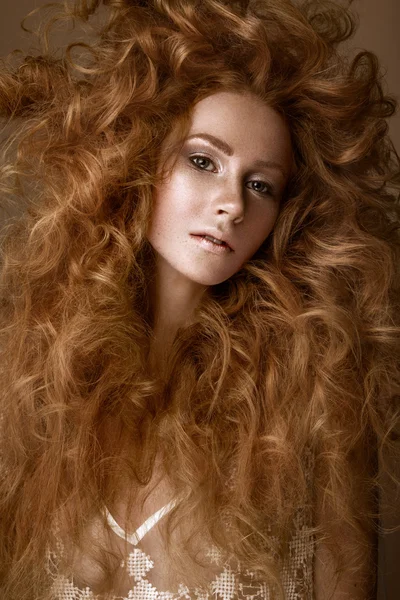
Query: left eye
{"points": [[201, 162], [262, 187]]}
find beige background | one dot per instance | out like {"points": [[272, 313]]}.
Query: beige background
{"points": [[378, 31]]}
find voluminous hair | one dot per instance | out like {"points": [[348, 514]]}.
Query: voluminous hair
{"points": [[296, 353]]}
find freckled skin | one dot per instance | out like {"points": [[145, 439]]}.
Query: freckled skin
{"points": [[208, 189]]}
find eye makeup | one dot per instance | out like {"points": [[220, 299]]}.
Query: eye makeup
{"points": [[270, 188]]}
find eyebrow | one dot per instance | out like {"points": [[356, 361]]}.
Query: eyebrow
{"points": [[226, 149]]}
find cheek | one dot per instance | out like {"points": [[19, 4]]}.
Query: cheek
{"points": [[263, 225], [175, 199], [171, 211]]}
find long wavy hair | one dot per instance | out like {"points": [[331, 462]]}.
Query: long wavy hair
{"points": [[297, 352]]}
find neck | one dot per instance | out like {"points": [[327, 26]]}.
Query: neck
{"points": [[173, 300]]}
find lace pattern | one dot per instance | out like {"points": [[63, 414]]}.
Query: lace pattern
{"points": [[297, 579], [231, 584]]}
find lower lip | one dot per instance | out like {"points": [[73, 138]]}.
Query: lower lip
{"points": [[211, 246]]}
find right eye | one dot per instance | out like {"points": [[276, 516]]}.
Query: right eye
{"points": [[201, 162]]}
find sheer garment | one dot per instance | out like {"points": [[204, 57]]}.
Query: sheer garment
{"points": [[145, 571]]}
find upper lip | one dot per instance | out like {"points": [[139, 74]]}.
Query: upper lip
{"points": [[215, 233]]}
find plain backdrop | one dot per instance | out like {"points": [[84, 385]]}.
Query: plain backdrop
{"points": [[379, 22]]}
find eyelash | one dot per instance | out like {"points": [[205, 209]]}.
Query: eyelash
{"points": [[269, 190]]}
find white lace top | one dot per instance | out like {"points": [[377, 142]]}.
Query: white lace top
{"points": [[229, 584]]}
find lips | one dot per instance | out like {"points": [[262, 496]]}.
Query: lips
{"points": [[216, 235], [209, 245]]}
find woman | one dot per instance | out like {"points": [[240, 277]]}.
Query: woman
{"points": [[199, 306]]}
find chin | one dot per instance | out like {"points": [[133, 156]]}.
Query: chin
{"points": [[208, 280]]}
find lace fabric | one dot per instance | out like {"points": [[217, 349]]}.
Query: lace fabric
{"points": [[230, 584]]}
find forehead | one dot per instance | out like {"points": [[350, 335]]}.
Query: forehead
{"points": [[245, 122], [227, 105]]}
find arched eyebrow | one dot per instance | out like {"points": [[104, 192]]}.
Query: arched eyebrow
{"points": [[226, 149]]}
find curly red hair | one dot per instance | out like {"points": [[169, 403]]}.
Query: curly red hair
{"points": [[297, 351]]}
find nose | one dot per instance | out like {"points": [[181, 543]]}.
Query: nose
{"points": [[230, 201]]}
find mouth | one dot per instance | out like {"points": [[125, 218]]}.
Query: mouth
{"points": [[212, 244], [213, 240]]}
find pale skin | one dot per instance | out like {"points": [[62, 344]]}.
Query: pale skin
{"points": [[234, 194]]}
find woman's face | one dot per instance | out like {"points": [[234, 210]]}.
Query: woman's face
{"points": [[227, 183]]}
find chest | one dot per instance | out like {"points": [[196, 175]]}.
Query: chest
{"points": [[134, 539]]}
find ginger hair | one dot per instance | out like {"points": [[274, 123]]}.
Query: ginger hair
{"points": [[297, 352]]}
